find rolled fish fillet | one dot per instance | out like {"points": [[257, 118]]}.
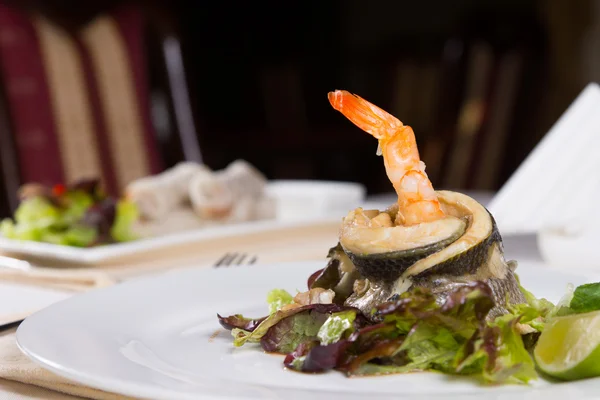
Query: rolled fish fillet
{"points": [[156, 196], [231, 194]]}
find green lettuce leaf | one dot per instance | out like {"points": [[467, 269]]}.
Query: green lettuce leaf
{"points": [[37, 212], [81, 236], [529, 315], [535, 312], [435, 335], [453, 338], [427, 347], [77, 204], [278, 298], [430, 347], [542, 305], [336, 326], [127, 214], [586, 298], [513, 361], [582, 299], [497, 351], [34, 217]]}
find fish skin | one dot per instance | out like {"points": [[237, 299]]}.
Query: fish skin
{"points": [[389, 266], [476, 265], [469, 261], [484, 263]]}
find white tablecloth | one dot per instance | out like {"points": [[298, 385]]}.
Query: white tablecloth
{"points": [[17, 391]]}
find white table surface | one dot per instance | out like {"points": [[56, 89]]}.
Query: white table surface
{"points": [[522, 248]]}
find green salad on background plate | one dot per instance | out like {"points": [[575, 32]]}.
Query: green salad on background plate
{"points": [[79, 215]]}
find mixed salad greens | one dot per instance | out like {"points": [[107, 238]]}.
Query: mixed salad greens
{"points": [[80, 215], [410, 333]]}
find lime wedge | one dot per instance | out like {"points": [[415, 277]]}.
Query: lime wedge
{"points": [[569, 347]]}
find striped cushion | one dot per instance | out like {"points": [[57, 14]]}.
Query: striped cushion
{"points": [[79, 104]]}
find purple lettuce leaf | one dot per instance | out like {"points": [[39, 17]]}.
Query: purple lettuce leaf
{"points": [[241, 336], [329, 276], [101, 217], [313, 277], [383, 352], [318, 358], [290, 331], [295, 359], [324, 271], [89, 186], [240, 322], [339, 355]]}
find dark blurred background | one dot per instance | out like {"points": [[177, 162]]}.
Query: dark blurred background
{"points": [[480, 82]]}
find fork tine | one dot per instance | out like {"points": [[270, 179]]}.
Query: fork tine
{"points": [[241, 258], [220, 260], [235, 258], [224, 261], [231, 260]]}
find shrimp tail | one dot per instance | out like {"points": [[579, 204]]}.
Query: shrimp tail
{"points": [[417, 200], [365, 115]]}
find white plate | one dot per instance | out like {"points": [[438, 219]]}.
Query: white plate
{"points": [[158, 337], [95, 255], [297, 199]]}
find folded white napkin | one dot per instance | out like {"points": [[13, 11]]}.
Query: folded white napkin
{"points": [[555, 187], [15, 366], [553, 194], [73, 280]]}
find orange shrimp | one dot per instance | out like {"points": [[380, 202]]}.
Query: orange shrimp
{"points": [[417, 200]]}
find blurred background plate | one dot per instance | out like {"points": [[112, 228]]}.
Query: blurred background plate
{"points": [[199, 239], [301, 199], [300, 205]]}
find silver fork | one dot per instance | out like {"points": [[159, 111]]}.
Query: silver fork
{"points": [[234, 259]]}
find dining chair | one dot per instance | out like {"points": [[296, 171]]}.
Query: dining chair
{"points": [[106, 99]]}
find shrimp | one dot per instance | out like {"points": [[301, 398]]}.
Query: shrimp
{"points": [[417, 200]]}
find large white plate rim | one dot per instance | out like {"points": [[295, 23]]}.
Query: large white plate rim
{"points": [[134, 389]]}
